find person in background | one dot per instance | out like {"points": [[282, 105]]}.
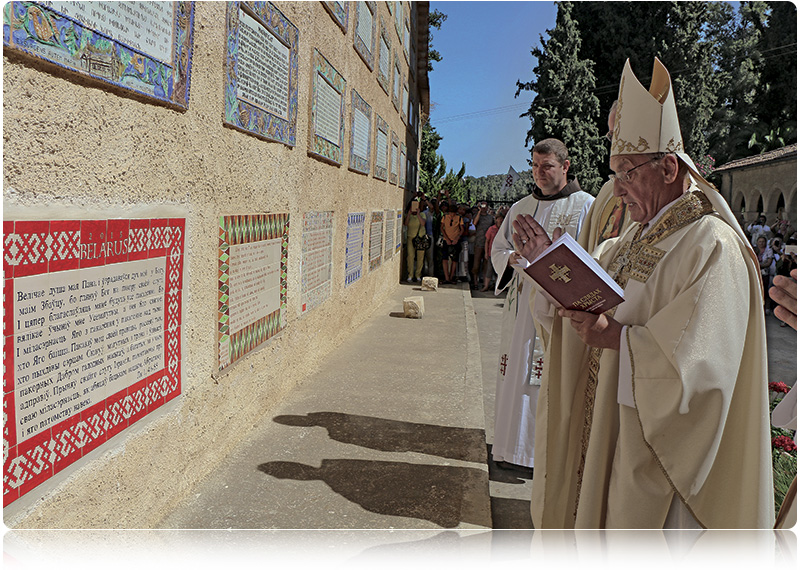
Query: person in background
{"points": [[483, 221], [491, 232], [452, 228], [758, 229], [415, 222], [428, 209], [766, 259], [467, 244]]}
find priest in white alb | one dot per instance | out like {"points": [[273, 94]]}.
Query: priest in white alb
{"points": [[556, 201], [655, 414]]}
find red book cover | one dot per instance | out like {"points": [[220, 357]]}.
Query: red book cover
{"points": [[573, 279]]}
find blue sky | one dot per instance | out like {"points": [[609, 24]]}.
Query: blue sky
{"points": [[485, 48]]}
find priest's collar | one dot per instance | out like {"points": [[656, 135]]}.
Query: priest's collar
{"points": [[570, 188]]}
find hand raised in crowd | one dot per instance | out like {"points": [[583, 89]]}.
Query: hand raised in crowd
{"points": [[784, 292]]}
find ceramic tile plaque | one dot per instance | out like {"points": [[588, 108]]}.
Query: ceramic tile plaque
{"points": [[381, 148], [340, 12], [145, 47], [375, 237], [327, 111], [396, 83], [354, 248], [393, 158], [364, 37], [92, 337], [404, 103], [401, 166], [398, 231], [384, 57], [360, 133], [388, 239], [316, 268], [253, 254], [261, 66]]}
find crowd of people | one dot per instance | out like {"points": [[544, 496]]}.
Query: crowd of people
{"points": [[776, 250], [450, 240]]}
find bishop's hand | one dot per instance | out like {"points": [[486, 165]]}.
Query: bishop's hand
{"points": [[530, 238]]}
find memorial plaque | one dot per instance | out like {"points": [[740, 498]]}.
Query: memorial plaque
{"points": [[384, 57], [398, 231], [381, 148], [375, 237], [340, 12], [388, 239], [316, 268], [253, 254], [261, 72], [398, 18], [327, 111], [354, 248], [360, 133], [393, 158], [406, 40], [364, 38], [144, 47], [397, 82], [402, 166], [404, 103], [92, 332]]}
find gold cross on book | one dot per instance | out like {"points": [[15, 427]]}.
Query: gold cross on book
{"points": [[560, 272]]}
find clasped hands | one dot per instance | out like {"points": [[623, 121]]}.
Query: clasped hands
{"points": [[599, 331]]}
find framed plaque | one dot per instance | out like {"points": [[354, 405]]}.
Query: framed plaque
{"points": [[360, 133], [397, 83], [261, 66], [406, 39], [401, 167], [327, 111], [375, 237], [354, 248], [143, 47], [253, 256], [384, 57], [393, 159], [364, 36], [381, 148], [398, 19], [316, 267], [404, 103], [388, 239], [398, 231], [92, 331], [340, 12]]}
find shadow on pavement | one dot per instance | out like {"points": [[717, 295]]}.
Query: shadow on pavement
{"points": [[465, 444], [431, 492]]}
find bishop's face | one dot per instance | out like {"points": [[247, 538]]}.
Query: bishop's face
{"points": [[645, 192]]}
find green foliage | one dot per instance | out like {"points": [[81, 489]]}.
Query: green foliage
{"points": [[784, 470], [435, 20], [434, 179], [565, 106], [488, 188]]}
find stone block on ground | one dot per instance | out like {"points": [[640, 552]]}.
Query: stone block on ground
{"points": [[413, 307], [430, 284]]}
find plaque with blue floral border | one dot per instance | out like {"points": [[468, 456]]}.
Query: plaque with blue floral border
{"points": [[359, 107], [394, 158], [45, 33], [384, 75], [325, 140], [366, 51], [381, 150], [340, 12], [243, 113]]}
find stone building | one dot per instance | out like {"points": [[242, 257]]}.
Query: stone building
{"points": [[762, 184], [233, 147]]}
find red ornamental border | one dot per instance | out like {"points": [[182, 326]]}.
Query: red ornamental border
{"points": [[50, 246]]}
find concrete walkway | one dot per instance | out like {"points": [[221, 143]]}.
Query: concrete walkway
{"points": [[389, 433], [392, 431]]}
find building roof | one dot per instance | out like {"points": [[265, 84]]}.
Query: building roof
{"points": [[777, 154]]}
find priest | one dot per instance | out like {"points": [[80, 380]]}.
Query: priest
{"points": [[555, 201], [659, 418]]}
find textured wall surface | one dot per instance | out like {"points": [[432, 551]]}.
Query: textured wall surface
{"points": [[77, 146]]}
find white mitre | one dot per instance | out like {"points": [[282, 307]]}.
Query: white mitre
{"points": [[647, 122]]}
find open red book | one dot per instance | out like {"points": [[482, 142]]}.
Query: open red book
{"points": [[572, 279]]}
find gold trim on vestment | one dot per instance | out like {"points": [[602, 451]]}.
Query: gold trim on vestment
{"points": [[637, 260]]}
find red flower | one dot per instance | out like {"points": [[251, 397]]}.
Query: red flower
{"points": [[784, 442], [778, 387]]}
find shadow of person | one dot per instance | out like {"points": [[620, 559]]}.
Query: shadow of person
{"points": [[465, 444], [442, 494]]}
